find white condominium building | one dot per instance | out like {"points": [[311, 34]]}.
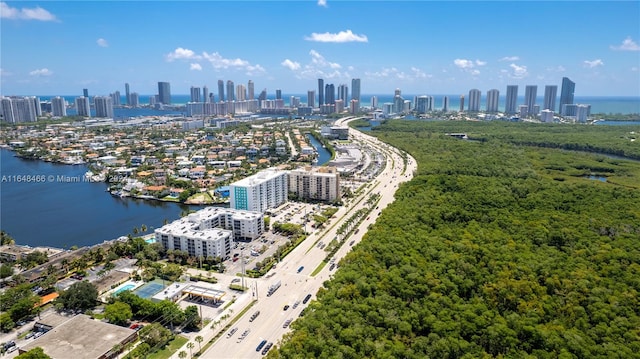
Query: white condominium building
{"points": [[318, 183], [210, 231], [260, 192], [186, 237]]}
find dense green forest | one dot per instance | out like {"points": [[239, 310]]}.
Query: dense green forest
{"points": [[502, 247]]}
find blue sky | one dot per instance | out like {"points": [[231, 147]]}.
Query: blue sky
{"points": [[421, 47]]}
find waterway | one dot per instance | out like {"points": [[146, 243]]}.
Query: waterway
{"points": [[324, 155], [63, 209]]}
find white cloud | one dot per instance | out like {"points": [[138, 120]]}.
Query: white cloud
{"points": [[469, 65], [319, 60], [102, 42], [322, 3], [634, 69], [510, 58], [41, 72], [291, 65], [419, 74], [252, 70], [592, 64], [518, 72], [215, 59], [558, 68], [182, 54], [37, 13], [342, 36], [463, 64], [627, 45], [220, 62], [4, 72]]}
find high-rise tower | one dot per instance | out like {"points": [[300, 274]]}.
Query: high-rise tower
{"points": [[164, 93], [330, 94], [530, 93], [103, 106], [311, 98], [195, 94], [493, 97], [251, 88], [321, 92], [511, 103], [127, 93], [82, 106], [221, 90], [205, 94], [566, 93], [230, 91], [474, 100], [355, 89], [550, 93]]}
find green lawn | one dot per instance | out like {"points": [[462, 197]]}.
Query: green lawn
{"points": [[170, 348]]}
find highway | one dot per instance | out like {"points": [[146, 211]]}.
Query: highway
{"points": [[296, 283]]}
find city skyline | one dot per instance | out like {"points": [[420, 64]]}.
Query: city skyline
{"points": [[305, 41]]}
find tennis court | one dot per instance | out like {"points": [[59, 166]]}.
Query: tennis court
{"points": [[150, 289]]}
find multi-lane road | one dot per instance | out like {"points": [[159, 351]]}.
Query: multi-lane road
{"points": [[294, 272]]}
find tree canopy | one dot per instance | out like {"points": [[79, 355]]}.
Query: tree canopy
{"points": [[80, 296], [501, 247], [35, 353]]}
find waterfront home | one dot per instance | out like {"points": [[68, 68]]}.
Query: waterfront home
{"points": [[108, 160], [175, 192]]}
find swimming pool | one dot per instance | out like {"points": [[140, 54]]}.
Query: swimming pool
{"points": [[126, 287]]}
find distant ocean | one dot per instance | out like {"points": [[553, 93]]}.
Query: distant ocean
{"points": [[599, 104]]}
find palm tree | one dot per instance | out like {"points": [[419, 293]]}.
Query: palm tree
{"points": [[199, 339], [135, 230], [143, 228], [190, 345], [182, 354]]}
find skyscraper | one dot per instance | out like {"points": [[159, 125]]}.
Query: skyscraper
{"points": [[58, 107], [461, 103], [530, 93], [566, 93], [445, 104], [115, 98], [135, 100], [474, 100], [195, 94], [550, 93], [82, 106], [221, 90], [127, 93], [85, 93], [241, 93], [355, 89], [512, 100], [311, 98], [205, 94], [343, 92], [278, 94], [493, 97], [321, 92], [230, 91], [164, 93], [374, 101], [103, 106], [18, 109], [329, 94], [251, 88]]}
